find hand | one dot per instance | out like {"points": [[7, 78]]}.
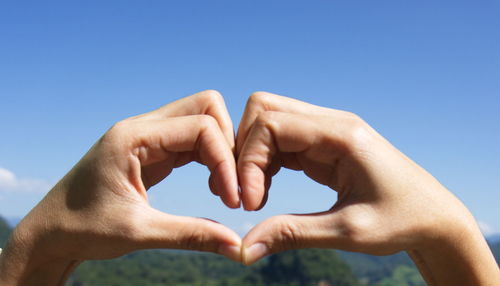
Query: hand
{"points": [[386, 202], [100, 209]]}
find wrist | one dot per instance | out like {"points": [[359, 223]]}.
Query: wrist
{"points": [[27, 258], [23, 263], [15, 271], [456, 254]]}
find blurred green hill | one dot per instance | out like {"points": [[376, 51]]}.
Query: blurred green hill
{"points": [[307, 267], [4, 231]]}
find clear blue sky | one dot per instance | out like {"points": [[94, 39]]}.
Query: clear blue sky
{"points": [[425, 74]]}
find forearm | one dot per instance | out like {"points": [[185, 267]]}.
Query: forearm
{"points": [[29, 257], [21, 263], [461, 258], [49, 273]]}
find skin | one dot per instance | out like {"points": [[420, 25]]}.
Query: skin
{"points": [[100, 209], [386, 202]]}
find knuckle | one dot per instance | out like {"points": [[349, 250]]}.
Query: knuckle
{"points": [[118, 129], [358, 134], [207, 121], [350, 115], [265, 119], [211, 95], [260, 98], [117, 133], [196, 240], [288, 235]]}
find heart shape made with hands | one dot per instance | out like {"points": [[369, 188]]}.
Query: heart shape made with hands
{"points": [[277, 132], [328, 145], [274, 132], [386, 203]]}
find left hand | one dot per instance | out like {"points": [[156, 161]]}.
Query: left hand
{"points": [[100, 209]]}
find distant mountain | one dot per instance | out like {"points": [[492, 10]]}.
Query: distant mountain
{"points": [[308, 267], [4, 231], [158, 267], [493, 238], [13, 221], [403, 276], [495, 248]]}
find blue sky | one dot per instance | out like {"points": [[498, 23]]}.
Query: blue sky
{"points": [[425, 74]]}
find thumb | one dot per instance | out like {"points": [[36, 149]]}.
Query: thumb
{"points": [[162, 230], [294, 231]]}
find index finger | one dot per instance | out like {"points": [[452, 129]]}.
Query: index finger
{"points": [[260, 102], [208, 102], [156, 141]]}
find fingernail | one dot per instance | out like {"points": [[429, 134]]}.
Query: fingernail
{"points": [[254, 253], [232, 252]]}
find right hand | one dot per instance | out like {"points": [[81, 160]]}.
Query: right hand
{"points": [[386, 202]]}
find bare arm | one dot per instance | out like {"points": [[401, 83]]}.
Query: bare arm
{"points": [[100, 210], [386, 202]]}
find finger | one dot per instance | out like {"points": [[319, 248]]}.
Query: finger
{"points": [[209, 102], [272, 170], [161, 230], [271, 133], [211, 184], [260, 102], [317, 144], [164, 140], [286, 232]]}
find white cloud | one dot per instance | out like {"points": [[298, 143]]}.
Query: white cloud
{"points": [[10, 183], [486, 229], [7, 178]]}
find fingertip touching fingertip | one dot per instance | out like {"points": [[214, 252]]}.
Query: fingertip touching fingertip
{"points": [[251, 254], [232, 252]]}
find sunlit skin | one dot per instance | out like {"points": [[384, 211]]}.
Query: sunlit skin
{"points": [[386, 202], [100, 209]]}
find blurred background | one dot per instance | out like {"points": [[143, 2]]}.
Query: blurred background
{"points": [[425, 74]]}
